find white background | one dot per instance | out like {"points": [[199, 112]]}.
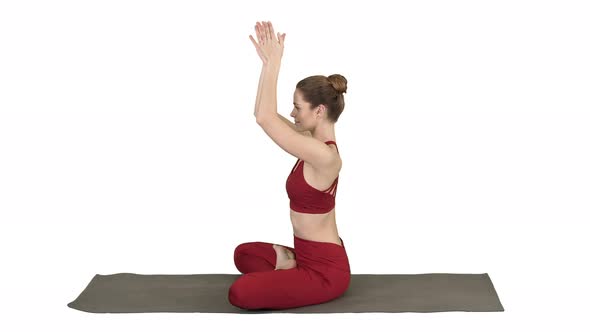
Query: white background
{"points": [[128, 144]]}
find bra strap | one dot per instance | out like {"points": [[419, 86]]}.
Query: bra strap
{"points": [[332, 142]]}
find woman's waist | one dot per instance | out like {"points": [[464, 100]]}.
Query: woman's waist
{"points": [[313, 222], [313, 217], [315, 227]]}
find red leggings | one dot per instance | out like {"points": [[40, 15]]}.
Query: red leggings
{"points": [[321, 275]]}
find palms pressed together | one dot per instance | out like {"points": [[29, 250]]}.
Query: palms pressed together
{"points": [[269, 47]]}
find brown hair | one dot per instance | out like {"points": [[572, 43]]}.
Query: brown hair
{"points": [[319, 89]]}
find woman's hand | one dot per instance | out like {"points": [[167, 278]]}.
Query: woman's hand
{"points": [[269, 47]]}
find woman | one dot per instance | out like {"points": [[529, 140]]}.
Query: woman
{"points": [[316, 270]]}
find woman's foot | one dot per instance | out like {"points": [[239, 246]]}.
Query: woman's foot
{"points": [[285, 258]]}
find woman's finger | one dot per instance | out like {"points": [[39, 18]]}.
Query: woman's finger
{"points": [[271, 30], [258, 33], [281, 38], [267, 31], [253, 41]]}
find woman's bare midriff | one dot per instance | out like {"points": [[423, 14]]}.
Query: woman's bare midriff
{"points": [[317, 227]]}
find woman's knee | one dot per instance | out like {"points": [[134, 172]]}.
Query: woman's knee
{"points": [[244, 247], [256, 246], [242, 293], [236, 297], [251, 249]]}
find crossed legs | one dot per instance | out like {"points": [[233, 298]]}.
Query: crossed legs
{"points": [[268, 282]]}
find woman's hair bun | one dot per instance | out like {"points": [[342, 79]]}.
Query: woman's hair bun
{"points": [[338, 82]]}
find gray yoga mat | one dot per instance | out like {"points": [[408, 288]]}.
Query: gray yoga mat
{"points": [[208, 293]]}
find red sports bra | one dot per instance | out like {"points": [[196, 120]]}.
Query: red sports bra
{"points": [[305, 198]]}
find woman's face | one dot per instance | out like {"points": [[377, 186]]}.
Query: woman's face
{"points": [[302, 115]]}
